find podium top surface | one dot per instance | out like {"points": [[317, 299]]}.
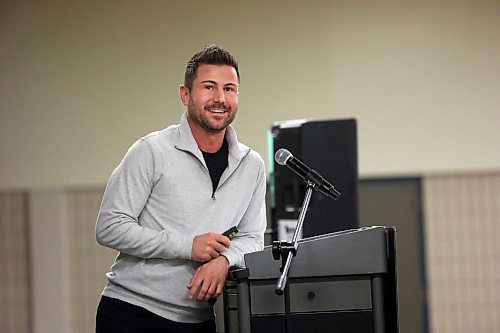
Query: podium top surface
{"points": [[350, 252]]}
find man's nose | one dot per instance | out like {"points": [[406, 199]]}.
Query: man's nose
{"points": [[219, 96]]}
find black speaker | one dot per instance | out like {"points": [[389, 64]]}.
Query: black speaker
{"points": [[330, 148]]}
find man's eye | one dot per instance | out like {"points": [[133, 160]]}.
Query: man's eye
{"points": [[209, 87], [229, 89]]}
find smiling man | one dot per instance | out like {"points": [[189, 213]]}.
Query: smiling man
{"points": [[168, 202]]}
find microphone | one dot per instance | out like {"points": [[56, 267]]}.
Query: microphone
{"points": [[284, 157]]}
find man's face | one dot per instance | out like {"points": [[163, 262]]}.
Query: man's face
{"points": [[212, 102]]}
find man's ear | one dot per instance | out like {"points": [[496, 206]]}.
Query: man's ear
{"points": [[184, 94]]}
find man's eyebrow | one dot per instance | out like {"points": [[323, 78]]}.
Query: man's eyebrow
{"points": [[230, 84]]}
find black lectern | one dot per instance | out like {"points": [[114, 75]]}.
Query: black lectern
{"points": [[343, 282]]}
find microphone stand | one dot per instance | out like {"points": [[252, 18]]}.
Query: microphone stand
{"points": [[286, 251]]}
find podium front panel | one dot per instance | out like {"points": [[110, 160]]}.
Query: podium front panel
{"points": [[343, 282]]}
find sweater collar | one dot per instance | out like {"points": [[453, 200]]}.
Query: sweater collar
{"points": [[186, 142]]}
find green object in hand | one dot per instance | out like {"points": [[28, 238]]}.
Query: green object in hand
{"points": [[230, 233]]}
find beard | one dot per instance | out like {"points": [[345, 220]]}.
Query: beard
{"points": [[200, 115]]}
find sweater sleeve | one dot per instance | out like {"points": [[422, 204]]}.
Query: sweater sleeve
{"points": [[126, 194], [252, 226]]}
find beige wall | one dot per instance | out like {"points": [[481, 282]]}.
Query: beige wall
{"points": [[81, 80]]}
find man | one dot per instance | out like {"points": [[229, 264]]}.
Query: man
{"points": [[168, 202]]}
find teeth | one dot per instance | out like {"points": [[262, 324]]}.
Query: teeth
{"points": [[216, 111]]}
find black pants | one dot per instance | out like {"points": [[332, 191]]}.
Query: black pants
{"points": [[115, 316]]}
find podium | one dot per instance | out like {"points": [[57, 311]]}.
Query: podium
{"points": [[343, 282]]}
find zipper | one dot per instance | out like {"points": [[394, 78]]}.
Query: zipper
{"points": [[206, 168]]}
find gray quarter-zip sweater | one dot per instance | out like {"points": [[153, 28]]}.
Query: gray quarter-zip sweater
{"points": [[158, 199]]}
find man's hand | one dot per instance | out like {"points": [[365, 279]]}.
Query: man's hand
{"points": [[208, 246], [209, 279]]}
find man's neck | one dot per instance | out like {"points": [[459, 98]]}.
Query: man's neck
{"points": [[207, 141]]}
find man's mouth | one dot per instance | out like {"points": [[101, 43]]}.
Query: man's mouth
{"points": [[216, 110]]}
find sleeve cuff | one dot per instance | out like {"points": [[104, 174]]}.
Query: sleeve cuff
{"points": [[180, 246], [232, 258]]}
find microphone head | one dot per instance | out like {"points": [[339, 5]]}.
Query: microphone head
{"points": [[282, 156]]}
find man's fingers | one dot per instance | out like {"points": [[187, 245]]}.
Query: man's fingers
{"points": [[194, 284], [215, 247], [208, 280], [224, 240], [210, 293], [219, 289], [204, 291], [208, 246], [207, 289], [219, 248], [192, 290]]}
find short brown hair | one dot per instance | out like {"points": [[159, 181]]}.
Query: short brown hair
{"points": [[211, 55]]}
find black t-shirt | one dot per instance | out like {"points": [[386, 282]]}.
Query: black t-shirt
{"points": [[217, 163]]}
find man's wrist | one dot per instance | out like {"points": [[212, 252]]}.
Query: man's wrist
{"points": [[226, 259]]}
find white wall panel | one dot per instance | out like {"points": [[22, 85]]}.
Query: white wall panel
{"points": [[462, 214], [14, 262]]}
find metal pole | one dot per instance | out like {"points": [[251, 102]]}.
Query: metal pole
{"points": [[282, 281]]}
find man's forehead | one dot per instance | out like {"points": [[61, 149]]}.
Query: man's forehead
{"points": [[217, 73]]}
